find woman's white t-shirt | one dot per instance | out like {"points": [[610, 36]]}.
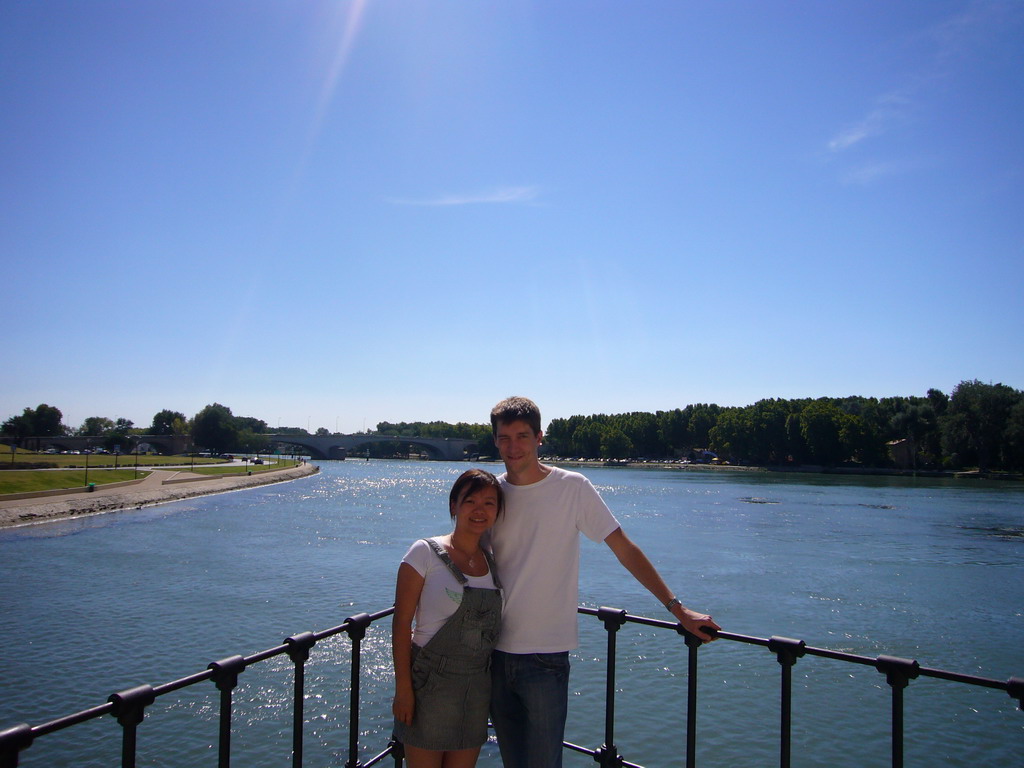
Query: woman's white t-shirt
{"points": [[442, 592]]}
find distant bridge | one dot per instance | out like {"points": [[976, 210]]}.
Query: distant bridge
{"points": [[340, 446]]}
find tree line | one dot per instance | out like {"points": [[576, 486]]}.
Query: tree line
{"points": [[214, 428], [978, 425]]}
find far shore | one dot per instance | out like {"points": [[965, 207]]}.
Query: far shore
{"points": [[161, 487], [787, 469]]}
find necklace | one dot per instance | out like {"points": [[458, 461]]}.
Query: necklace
{"points": [[470, 559]]}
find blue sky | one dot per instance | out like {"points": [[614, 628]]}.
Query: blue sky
{"points": [[330, 214]]}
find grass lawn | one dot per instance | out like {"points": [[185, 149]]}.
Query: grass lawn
{"points": [[235, 469], [28, 480], [103, 459]]}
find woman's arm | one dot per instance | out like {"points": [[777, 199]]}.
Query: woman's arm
{"points": [[407, 597]]}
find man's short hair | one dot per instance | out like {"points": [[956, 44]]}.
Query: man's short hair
{"points": [[515, 409]]}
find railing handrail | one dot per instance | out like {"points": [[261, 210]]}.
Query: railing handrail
{"points": [[128, 706], [827, 653]]}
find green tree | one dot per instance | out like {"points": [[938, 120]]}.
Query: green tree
{"points": [[558, 435], [41, 421], [259, 426], [732, 434], [586, 440], [799, 453], [673, 427], [18, 426], [47, 421], [118, 437], [938, 400], [702, 418], [96, 426], [858, 440], [248, 441], [214, 428], [974, 423], [642, 430], [821, 423], [163, 422], [615, 444], [1014, 437], [770, 442]]}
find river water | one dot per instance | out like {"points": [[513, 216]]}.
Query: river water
{"points": [[924, 569]]}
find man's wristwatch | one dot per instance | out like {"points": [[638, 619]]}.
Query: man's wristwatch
{"points": [[672, 604]]}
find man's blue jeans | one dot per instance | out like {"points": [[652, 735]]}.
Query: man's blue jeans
{"points": [[529, 704]]}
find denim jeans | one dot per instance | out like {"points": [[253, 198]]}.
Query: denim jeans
{"points": [[529, 703]]}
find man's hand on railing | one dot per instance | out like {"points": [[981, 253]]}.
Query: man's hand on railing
{"points": [[695, 623]]}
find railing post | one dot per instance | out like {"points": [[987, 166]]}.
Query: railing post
{"points": [[298, 652], [898, 673], [693, 644], [608, 756], [225, 677], [397, 752], [129, 709], [356, 631], [786, 651], [12, 741], [1015, 687]]}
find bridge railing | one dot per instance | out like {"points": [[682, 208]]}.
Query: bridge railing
{"points": [[128, 707]]}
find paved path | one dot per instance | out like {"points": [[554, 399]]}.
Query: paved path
{"points": [[154, 489]]}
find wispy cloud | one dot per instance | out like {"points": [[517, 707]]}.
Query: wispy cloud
{"points": [[948, 42], [493, 196], [889, 110], [972, 29]]}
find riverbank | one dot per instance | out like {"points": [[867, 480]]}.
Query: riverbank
{"points": [[160, 487], [807, 469]]}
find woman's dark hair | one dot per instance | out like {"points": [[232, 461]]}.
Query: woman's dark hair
{"points": [[471, 481]]}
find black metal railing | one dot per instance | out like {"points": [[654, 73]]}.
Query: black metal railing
{"points": [[129, 707], [899, 672]]}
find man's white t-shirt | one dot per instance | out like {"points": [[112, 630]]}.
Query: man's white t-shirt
{"points": [[536, 547], [442, 592]]}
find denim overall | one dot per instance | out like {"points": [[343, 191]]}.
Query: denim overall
{"points": [[451, 677]]}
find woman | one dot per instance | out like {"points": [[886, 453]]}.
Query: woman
{"points": [[449, 584]]}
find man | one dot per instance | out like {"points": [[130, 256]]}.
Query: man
{"points": [[536, 547]]}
